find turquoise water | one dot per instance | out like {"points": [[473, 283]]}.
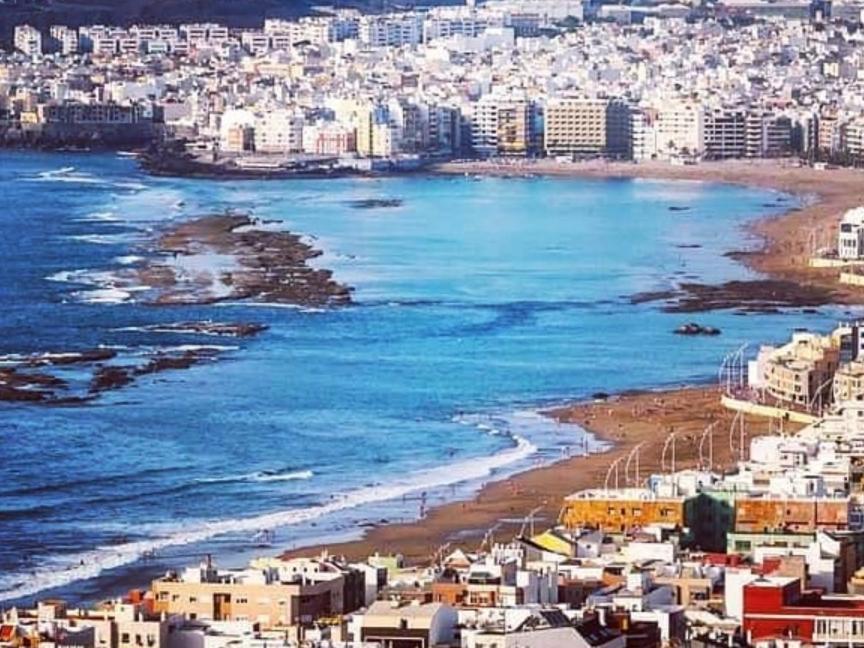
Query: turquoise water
{"points": [[476, 303]]}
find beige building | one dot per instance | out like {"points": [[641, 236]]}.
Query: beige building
{"points": [[275, 594], [586, 127], [849, 381], [801, 371], [278, 131]]}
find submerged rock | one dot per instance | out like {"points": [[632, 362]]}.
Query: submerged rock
{"points": [[692, 328], [376, 203]]}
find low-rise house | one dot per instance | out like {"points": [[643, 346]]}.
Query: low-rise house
{"points": [[393, 624]]}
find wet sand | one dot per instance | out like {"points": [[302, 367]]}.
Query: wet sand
{"points": [[626, 421]]}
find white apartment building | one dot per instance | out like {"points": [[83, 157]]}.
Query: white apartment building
{"points": [[503, 124], [643, 134], [680, 129], [854, 137], [204, 34], [768, 135], [278, 131], [392, 30], [236, 130], [255, 42], [28, 40], [64, 39], [316, 29], [444, 22]]}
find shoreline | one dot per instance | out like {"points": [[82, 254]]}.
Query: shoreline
{"points": [[781, 255], [642, 416], [622, 421]]}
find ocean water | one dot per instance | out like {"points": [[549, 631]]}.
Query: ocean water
{"points": [[477, 302]]}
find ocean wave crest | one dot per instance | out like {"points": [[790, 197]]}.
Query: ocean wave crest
{"points": [[60, 571]]}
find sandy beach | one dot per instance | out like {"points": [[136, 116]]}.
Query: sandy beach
{"points": [[649, 417], [626, 420]]}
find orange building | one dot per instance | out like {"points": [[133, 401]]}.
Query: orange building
{"points": [[772, 515], [622, 510]]}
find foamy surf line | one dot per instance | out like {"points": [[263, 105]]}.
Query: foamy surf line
{"points": [[60, 572], [73, 176], [261, 476]]}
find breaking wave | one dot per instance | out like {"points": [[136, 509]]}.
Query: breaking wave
{"points": [[260, 476], [59, 571]]}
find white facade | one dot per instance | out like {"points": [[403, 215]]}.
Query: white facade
{"points": [[28, 40], [680, 130], [278, 131], [850, 239]]}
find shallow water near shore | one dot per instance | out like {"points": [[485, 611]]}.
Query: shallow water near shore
{"points": [[477, 301]]}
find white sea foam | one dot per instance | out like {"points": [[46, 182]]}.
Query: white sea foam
{"points": [[100, 217], [84, 276], [264, 304], [103, 296], [300, 474], [262, 476], [102, 239], [183, 348], [72, 176], [61, 571], [107, 287], [129, 259], [65, 276]]}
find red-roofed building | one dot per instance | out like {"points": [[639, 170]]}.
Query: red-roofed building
{"points": [[777, 606]]}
